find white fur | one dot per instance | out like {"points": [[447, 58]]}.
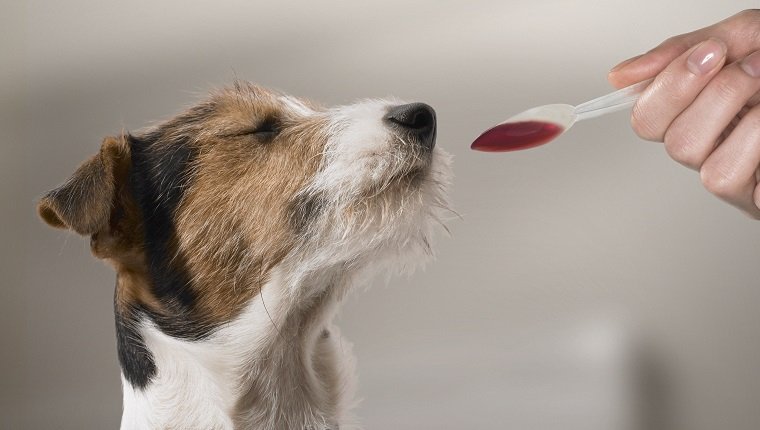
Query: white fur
{"points": [[296, 105], [272, 367], [199, 382], [363, 152]]}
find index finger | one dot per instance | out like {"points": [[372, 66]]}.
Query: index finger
{"points": [[650, 64]]}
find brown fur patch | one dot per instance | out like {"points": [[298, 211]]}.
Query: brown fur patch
{"points": [[233, 224]]}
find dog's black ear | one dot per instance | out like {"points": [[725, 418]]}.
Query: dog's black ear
{"points": [[84, 202]]}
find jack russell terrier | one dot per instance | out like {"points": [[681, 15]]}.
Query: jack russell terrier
{"points": [[235, 229]]}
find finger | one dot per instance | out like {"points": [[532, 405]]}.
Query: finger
{"points": [[675, 88], [730, 172], [739, 31], [648, 65], [695, 133]]}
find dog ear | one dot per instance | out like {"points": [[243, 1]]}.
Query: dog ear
{"points": [[84, 202]]}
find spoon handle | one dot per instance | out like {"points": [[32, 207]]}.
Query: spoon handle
{"points": [[612, 102]]}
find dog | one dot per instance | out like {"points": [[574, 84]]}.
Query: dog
{"points": [[235, 230]]}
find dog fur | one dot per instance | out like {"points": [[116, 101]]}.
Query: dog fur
{"points": [[235, 230]]}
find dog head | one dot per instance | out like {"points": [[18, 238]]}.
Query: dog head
{"points": [[203, 206]]}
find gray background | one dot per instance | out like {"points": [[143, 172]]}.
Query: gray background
{"points": [[591, 283]]}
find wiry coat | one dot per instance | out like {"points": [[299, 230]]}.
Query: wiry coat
{"points": [[235, 230]]}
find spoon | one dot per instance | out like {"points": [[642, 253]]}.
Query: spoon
{"points": [[543, 124]]}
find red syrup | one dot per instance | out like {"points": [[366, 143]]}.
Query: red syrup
{"points": [[513, 136]]}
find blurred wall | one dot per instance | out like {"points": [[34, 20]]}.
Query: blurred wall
{"points": [[589, 282]]}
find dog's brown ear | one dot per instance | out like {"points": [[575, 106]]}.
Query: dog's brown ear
{"points": [[83, 203]]}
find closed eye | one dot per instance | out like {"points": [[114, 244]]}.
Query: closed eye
{"points": [[267, 129]]}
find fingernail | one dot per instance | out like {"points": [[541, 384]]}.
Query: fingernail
{"points": [[625, 63], [706, 56], [751, 64]]}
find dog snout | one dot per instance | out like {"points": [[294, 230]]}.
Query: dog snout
{"points": [[415, 119]]}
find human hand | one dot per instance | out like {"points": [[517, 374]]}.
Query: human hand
{"points": [[706, 114]]}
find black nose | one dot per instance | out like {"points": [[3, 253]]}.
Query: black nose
{"points": [[417, 119]]}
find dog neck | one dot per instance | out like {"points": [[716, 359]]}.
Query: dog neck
{"points": [[279, 364]]}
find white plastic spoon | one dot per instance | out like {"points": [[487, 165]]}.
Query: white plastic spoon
{"points": [[542, 124]]}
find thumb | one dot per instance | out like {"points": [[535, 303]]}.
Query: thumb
{"points": [[648, 65]]}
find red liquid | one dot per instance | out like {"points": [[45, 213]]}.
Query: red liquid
{"points": [[513, 136]]}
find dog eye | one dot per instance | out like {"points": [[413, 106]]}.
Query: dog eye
{"points": [[267, 129]]}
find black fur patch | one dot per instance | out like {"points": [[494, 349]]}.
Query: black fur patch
{"points": [[304, 209], [161, 172], [136, 361]]}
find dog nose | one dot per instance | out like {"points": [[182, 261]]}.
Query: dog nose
{"points": [[417, 119]]}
